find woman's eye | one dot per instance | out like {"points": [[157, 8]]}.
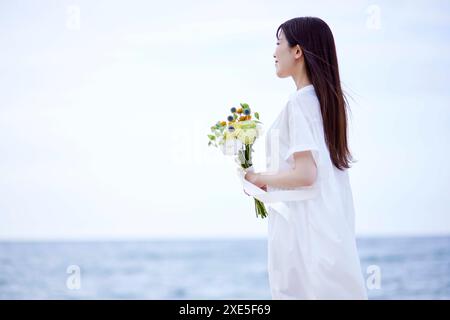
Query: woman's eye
{"points": [[278, 43]]}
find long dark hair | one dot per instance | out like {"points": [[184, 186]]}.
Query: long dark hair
{"points": [[317, 43]]}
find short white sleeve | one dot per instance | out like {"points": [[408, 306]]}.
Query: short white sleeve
{"points": [[300, 132]]}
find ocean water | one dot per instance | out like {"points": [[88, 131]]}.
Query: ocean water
{"points": [[406, 268]]}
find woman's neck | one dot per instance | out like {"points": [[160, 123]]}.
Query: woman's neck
{"points": [[301, 78]]}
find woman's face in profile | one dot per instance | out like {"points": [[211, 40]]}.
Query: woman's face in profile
{"points": [[284, 60]]}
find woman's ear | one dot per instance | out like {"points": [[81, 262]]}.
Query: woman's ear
{"points": [[298, 52]]}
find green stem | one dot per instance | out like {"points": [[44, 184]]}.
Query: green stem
{"points": [[260, 208]]}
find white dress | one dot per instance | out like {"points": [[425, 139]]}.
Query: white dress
{"points": [[314, 254]]}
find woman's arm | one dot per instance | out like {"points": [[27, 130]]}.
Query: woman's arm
{"points": [[304, 174]]}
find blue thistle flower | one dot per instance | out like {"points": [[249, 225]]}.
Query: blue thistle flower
{"points": [[231, 128], [233, 110], [247, 112], [230, 118]]}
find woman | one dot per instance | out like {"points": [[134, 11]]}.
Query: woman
{"points": [[314, 254]]}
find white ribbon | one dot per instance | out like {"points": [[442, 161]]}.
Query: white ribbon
{"points": [[275, 199]]}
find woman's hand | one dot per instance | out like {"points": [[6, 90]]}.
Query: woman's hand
{"points": [[254, 178]]}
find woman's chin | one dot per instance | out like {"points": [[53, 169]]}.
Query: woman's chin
{"points": [[280, 74]]}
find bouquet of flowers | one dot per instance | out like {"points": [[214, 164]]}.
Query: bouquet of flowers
{"points": [[236, 137]]}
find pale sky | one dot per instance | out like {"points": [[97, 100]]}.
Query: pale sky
{"points": [[105, 107]]}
